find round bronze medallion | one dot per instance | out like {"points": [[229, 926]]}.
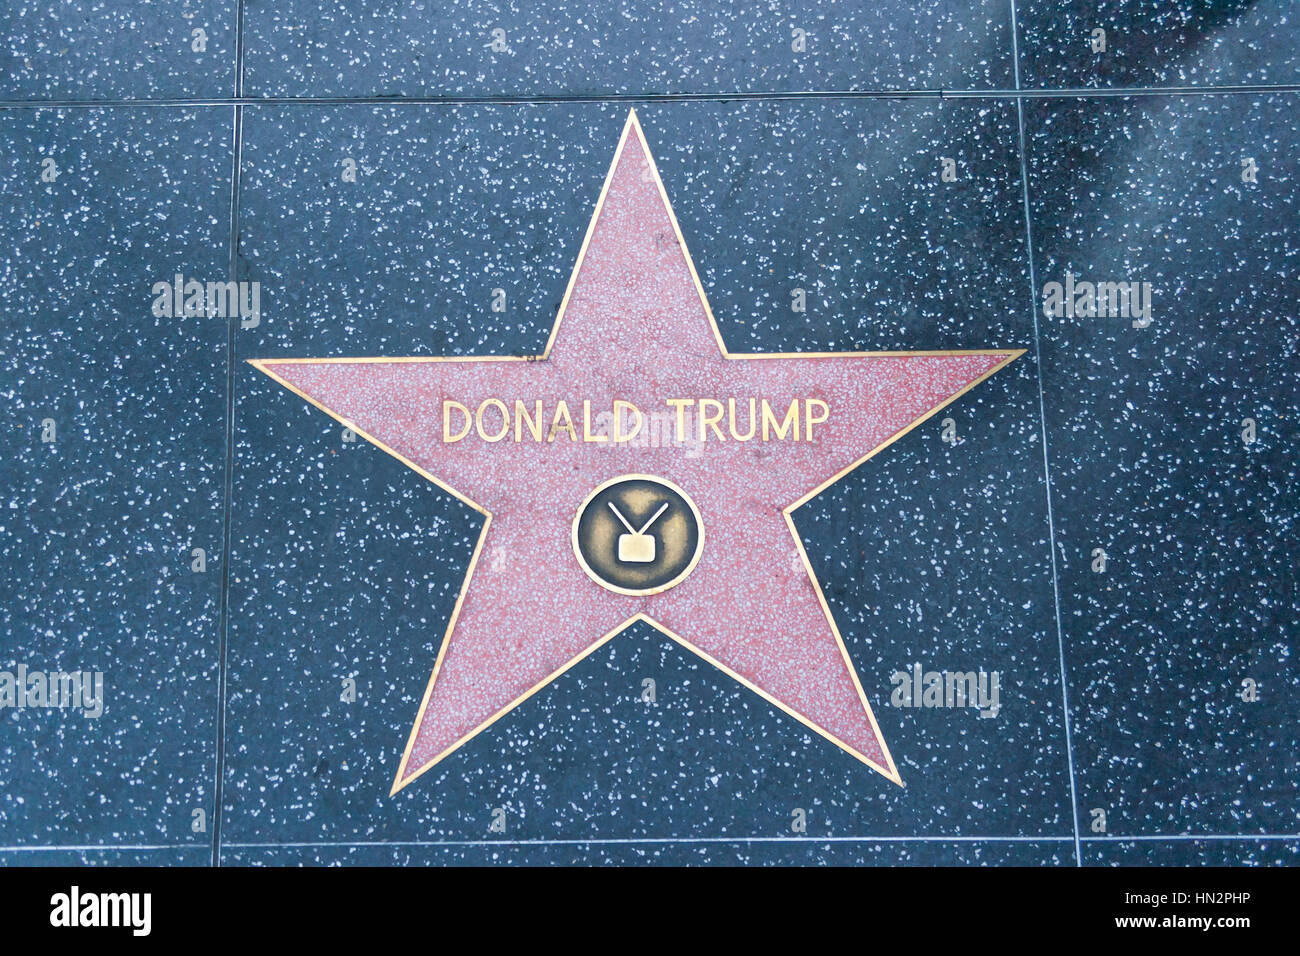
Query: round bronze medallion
{"points": [[638, 534]]}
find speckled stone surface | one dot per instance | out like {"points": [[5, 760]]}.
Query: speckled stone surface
{"points": [[338, 48], [1193, 852], [451, 203], [1149, 463], [344, 565], [719, 852], [98, 526], [197, 854], [1151, 43], [108, 51]]}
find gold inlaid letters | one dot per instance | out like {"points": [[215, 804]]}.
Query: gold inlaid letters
{"points": [[694, 420]]}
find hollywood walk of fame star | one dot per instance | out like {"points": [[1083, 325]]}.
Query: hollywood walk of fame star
{"points": [[635, 326]]}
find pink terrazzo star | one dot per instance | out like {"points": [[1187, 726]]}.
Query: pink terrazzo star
{"points": [[635, 326]]}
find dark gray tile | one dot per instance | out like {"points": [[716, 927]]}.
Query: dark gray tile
{"points": [[1163, 43], [450, 203], [585, 757], [1191, 852], [1149, 462], [809, 852], [196, 855], [129, 49], [349, 563], [298, 48], [98, 526], [848, 201], [936, 555]]}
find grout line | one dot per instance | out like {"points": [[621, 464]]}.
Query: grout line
{"points": [[227, 495], [1042, 412], [224, 628], [524, 99], [239, 49]]}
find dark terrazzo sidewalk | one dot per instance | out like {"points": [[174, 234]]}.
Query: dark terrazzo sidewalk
{"points": [[224, 737]]}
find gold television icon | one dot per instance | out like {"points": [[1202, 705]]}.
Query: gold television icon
{"points": [[637, 547]]}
